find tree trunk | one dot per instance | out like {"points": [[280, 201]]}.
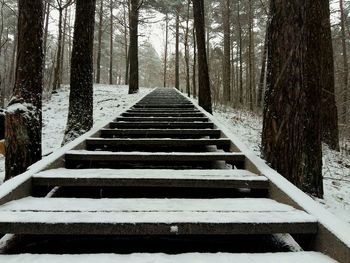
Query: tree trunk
{"points": [[126, 43], [187, 52], [23, 118], [251, 54], [57, 74], [177, 36], [291, 137], [345, 64], [133, 49], [204, 93], [63, 44], [330, 131], [166, 50], [80, 115], [239, 47], [46, 29], [194, 84], [111, 45], [99, 44], [226, 77], [262, 80]]}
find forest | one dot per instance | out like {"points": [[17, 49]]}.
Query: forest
{"points": [[251, 55]]}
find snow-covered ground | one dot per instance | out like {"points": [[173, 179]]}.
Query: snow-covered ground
{"points": [[109, 100], [336, 166]]}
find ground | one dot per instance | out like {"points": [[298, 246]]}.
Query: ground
{"points": [[110, 100]]}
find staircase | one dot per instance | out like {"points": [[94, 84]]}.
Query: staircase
{"points": [[160, 178]]}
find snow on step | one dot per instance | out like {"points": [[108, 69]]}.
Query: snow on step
{"points": [[152, 216], [162, 119], [161, 132], [147, 177], [287, 257], [153, 156]]}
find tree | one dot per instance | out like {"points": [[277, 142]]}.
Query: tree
{"points": [[80, 115], [291, 137], [330, 131], [23, 118], [61, 6], [133, 49], [99, 46], [345, 74], [227, 51], [177, 51], [204, 93]]}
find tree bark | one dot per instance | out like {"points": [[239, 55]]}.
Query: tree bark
{"points": [[226, 78], [345, 64], [291, 137], [111, 44], [204, 93], [23, 118], [166, 50], [177, 36], [330, 131], [126, 42], [239, 47], [56, 78], [262, 80], [99, 44], [80, 115], [133, 49], [187, 52], [194, 84]]}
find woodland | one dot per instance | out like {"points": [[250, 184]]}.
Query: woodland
{"points": [[285, 60]]}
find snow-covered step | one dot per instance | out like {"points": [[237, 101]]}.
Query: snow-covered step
{"points": [[153, 217], [153, 143], [171, 106], [162, 119], [92, 159], [162, 114], [164, 125], [160, 133], [170, 110], [151, 178], [286, 257]]}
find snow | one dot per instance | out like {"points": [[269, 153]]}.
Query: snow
{"points": [[288, 257], [338, 227], [151, 174], [336, 166], [108, 100], [153, 211], [145, 205]]}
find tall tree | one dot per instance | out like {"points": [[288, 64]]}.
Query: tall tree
{"points": [[61, 6], [177, 50], [99, 43], [166, 50], [111, 31], [133, 49], [23, 119], [226, 12], [80, 115], [291, 137], [330, 131], [204, 93], [345, 74]]}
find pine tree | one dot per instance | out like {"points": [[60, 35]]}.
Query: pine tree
{"points": [[23, 118], [291, 137], [80, 115], [133, 49], [204, 93]]}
